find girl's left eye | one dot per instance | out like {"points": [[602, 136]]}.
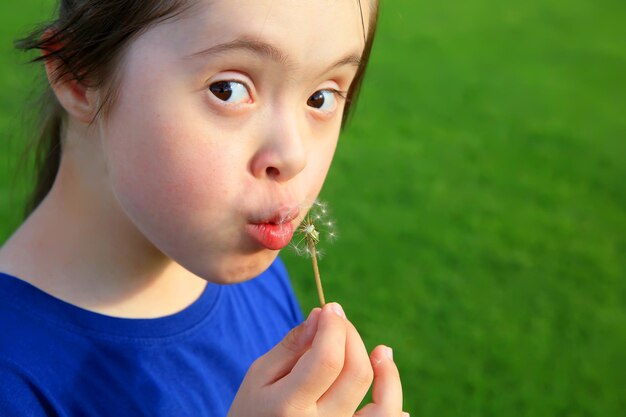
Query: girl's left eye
{"points": [[324, 100], [230, 91]]}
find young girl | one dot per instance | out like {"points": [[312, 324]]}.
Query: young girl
{"points": [[185, 141]]}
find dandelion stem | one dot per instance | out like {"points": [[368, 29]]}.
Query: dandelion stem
{"points": [[316, 271]]}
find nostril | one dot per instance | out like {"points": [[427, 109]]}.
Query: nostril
{"points": [[272, 172]]}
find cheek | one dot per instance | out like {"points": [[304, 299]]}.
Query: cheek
{"points": [[153, 147], [320, 156], [165, 168], [323, 154]]}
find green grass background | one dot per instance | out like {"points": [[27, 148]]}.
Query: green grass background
{"points": [[480, 196]]}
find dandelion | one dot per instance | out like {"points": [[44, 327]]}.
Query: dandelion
{"points": [[315, 226]]}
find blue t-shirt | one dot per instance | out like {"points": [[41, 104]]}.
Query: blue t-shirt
{"points": [[57, 359]]}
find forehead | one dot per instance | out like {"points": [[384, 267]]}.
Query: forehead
{"points": [[304, 29]]}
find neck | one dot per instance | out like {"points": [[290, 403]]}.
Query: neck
{"points": [[79, 246]]}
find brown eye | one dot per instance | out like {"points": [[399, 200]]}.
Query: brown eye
{"points": [[323, 100], [230, 91], [221, 90], [316, 100]]}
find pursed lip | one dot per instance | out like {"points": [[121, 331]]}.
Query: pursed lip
{"points": [[278, 216], [275, 230], [271, 236]]}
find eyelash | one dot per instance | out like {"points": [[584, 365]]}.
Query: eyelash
{"points": [[243, 83], [338, 93], [326, 92], [342, 94]]}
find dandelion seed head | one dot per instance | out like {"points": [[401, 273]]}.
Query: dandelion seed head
{"points": [[315, 228], [301, 250], [319, 206]]}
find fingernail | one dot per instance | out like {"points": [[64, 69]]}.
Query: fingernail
{"points": [[389, 353], [338, 310], [405, 414]]}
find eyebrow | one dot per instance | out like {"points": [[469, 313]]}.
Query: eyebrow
{"points": [[269, 51]]}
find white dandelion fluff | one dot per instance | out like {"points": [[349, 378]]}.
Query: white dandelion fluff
{"points": [[315, 227]]}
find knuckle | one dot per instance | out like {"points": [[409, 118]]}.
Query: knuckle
{"points": [[363, 375], [291, 406], [282, 410], [256, 366], [331, 363]]}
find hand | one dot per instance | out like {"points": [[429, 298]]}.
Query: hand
{"points": [[320, 369]]}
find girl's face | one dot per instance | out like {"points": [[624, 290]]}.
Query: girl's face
{"points": [[226, 124]]}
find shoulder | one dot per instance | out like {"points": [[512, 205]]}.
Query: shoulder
{"points": [[30, 340], [20, 394], [21, 327]]}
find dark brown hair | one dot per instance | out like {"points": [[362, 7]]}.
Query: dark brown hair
{"points": [[87, 40]]}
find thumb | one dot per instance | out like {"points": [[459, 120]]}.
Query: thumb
{"points": [[279, 361]]}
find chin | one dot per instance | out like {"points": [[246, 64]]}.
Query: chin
{"points": [[238, 268]]}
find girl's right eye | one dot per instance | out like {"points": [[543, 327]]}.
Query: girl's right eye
{"points": [[233, 92]]}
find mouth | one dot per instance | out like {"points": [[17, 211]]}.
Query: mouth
{"points": [[273, 231]]}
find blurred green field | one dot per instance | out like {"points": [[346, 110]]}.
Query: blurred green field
{"points": [[480, 196]]}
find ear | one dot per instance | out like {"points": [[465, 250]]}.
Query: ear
{"points": [[78, 100]]}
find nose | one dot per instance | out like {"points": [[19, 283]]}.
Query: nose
{"points": [[282, 153]]}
